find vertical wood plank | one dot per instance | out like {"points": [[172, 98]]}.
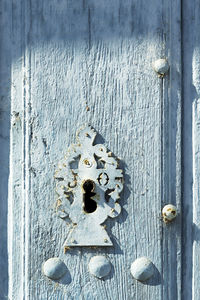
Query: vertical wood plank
{"points": [[171, 155], [5, 82], [17, 217], [191, 92], [96, 55], [196, 195], [196, 159], [188, 94]]}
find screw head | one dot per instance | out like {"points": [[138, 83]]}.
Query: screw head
{"points": [[169, 213], [87, 163], [99, 266], [54, 268], [161, 66], [142, 269]]}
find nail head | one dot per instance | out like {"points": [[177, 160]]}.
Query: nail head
{"points": [[54, 268], [142, 269], [169, 213], [161, 66], [99, 266]]}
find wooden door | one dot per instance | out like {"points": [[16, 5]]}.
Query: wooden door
{"points": [[69, 63]]}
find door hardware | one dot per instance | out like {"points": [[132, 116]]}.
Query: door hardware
{"points": [[88, 185]]}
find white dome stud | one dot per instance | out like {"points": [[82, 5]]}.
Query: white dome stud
{"points": [[99, 266], [160, 66], [142, 269], [169, 213], [54, 268]]}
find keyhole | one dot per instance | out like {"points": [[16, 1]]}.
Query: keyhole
{"points": [[89, 204]]}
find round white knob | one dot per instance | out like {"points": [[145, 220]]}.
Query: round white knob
{"points": [[169, 212], [99, 266], [54, 268], [161, 66], [142, 269]]}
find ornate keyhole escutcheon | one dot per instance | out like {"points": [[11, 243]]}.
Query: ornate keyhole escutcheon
{"points": [[88, 186]]}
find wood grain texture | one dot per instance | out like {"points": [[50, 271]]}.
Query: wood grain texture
{"points": [[196, 193], [5, 63], [196, 160], [190, 205], [69, 56], [189, 94]]}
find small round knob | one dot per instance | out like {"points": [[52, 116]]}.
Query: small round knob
{"points": [[161, 66], [142, 269], [169, 213], [99, 266], [54, 268]]}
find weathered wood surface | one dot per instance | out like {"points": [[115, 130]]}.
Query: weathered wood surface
{"points": [[5, 84], [196, 195], [195, 249], [191, 163], [69, 56]]}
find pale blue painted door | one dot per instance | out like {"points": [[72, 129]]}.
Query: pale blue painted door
{"points": [[67, 63]]}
